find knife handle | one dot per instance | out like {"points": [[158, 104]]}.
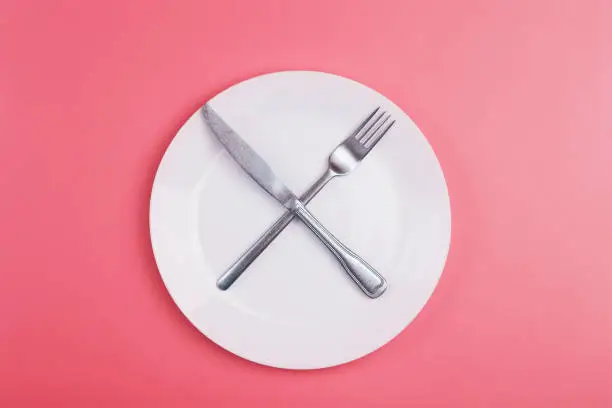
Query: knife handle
{"points": [[233, 272], [366, 277], [241, 264]]}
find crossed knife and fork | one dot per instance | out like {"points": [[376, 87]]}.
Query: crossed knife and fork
{"points": [[342, 161]]}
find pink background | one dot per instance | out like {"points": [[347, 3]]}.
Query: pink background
{"points": [[514, 96]]}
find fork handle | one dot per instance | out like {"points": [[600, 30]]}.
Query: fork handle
{"points": [[241, 264], [366, 277]]}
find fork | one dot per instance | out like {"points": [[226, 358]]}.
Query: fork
{"points": [[345, 157]]}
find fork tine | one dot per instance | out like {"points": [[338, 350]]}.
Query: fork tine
{"points": [[372, 142], [379, 125], [367, 129], [358, 129]]}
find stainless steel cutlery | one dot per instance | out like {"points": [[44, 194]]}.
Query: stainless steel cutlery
{"points": [[343, 159]]}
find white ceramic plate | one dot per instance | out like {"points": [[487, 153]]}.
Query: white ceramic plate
{"points": [[295, 307]]}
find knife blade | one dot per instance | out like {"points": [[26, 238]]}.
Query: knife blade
{"points": [[248, 159], [365, 276]]}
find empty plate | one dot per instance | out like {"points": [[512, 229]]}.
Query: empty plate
{"points": [[295, 307]]}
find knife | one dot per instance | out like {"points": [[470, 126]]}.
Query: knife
{"points": [[365, 276]]}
